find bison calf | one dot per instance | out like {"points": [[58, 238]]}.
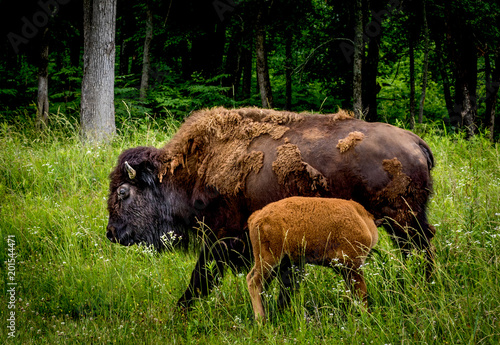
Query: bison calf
{"points": [[320, 231]]}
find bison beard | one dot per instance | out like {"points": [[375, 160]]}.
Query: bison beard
{"points": [[222, 165]]}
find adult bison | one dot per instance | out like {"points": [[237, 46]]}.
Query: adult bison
{"points": [[223, 164]]}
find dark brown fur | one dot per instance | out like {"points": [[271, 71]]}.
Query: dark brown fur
{"points": [[224, 164]]}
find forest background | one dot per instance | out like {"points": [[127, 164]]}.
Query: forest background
{"points": [[395, 61]]}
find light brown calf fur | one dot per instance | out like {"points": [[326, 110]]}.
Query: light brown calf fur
{"points": [[318, 231]]}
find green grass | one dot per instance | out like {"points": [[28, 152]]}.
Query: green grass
{"points": [[74, 286]]}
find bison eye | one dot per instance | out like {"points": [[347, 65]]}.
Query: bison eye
{"points": [[123, 192]]}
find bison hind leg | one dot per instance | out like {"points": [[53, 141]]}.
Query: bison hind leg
{"points": [[410, 229]]}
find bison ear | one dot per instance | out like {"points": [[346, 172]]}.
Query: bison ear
{"points": [[145, 172], [149, 176], [140, 165]]}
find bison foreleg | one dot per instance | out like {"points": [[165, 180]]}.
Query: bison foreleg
{"points": [[209, 270]]}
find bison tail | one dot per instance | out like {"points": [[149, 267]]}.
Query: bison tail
{"points": [[428, 154]]}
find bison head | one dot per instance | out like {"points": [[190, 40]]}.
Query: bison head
{"points": [[141, 208]]}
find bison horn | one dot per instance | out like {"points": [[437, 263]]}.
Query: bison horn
{"points": [[130, 170]]}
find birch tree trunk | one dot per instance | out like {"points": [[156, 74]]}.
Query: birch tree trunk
{"points": [[146, 63], [358, 61], [42, 113], [97, 117]]}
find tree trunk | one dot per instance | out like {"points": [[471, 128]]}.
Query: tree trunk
{"points": [[444, 77], [357, 85], [467, 88], [426, 64], [467, 111], [463, 53], [246, 83], [492, 86], [123, 67], [42, 114], [97, 117], [371, 88], [146, 63], [288, 69], [233, 62], [262, 70], [185, 55], [207, 49], [75, 48], [412, 80]]}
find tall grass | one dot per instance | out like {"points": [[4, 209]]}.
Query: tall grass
{"points": [[74, 286]]}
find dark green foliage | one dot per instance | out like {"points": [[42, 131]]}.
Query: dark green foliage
{"points": [[203, 55], [177, 98]]}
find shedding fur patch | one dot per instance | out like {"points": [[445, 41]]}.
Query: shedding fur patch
{"points": [[394, 195], [341, 115], [350, 141], [400, 181], [214, 144], [296, 175], [282, 118]]}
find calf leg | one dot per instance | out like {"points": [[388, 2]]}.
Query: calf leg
{"points": [[255, 287], [258, 276]]}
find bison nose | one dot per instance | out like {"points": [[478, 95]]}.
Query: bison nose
{"points": [[111, 234]]}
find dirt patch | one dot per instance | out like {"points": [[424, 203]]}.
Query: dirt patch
{"points": [[350, 141]]}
